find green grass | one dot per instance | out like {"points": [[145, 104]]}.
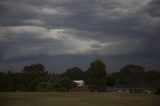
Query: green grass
{"points": [[77, 99]]}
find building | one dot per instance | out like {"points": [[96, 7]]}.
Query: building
{"points": [[81, 87], [79, 83], [135, 88]]}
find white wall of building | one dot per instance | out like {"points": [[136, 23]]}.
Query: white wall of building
{"points": [[79, 82]]}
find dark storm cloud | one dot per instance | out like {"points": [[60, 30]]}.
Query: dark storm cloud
{"points": [[154, 8], [79, 27]]}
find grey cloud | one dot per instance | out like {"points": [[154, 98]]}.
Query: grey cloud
{"points": [[79, 27], [33, 40], [153, 8]]}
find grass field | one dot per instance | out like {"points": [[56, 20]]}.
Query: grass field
{"points": [[77, 99]]}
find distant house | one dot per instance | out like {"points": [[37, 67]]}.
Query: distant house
{"points": [[79, 83], [81, 87], [135, 88]]}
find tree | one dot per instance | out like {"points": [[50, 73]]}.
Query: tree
{"points": [[31, 75], [152, 77], [66, 84], [86, 77], [74, 73], [56, 85], [157, 92], [97, 75], [131, 74], [60, 84], [34, 69], [41, 87], [11, 81], [3, 82], [110, 80]]}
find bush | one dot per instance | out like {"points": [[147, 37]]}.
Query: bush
{"points": [[157, 91], [41, 87], [55, 85]]}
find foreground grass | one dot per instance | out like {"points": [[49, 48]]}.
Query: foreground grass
{"points": [[77, 99]]}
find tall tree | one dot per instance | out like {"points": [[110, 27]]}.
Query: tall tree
{"points": [[132, 74], [97, 75], [152, 77], [32, 75], [3, 82], [74, 73]]}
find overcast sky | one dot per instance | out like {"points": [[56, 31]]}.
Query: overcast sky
{"points": [[64, 33]]}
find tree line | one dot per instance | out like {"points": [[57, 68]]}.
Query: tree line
{"points": [[35, 78]]}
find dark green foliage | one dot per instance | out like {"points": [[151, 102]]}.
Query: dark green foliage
{"points": [[34, 69], [86, 77], [55, 84], [110, 80], [42, 86], [35, 78], [66, 83], [152, 77], [74, 73], [157, 92], [131, 74], [97, 76], [134, 74], [25, 80], [32, 75], [3, 81]]}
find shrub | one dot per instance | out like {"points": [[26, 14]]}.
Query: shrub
{"points": [[157, 91]]}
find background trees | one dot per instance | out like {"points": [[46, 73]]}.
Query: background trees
{"points": [[35, 78], [97, 75], [74, 73], [32, 75], [3, 82], [130, 74], [55, 84], [152, 77]]}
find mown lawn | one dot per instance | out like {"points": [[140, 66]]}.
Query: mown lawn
{"points": [[77, 99]]}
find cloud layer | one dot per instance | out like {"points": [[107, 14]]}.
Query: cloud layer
{"points": [[79, 27]]}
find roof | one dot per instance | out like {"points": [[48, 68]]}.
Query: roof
{"points": [[78, 81]]}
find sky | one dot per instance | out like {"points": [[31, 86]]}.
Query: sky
{"points": [[65, 33]]}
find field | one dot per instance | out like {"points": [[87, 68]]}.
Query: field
{"points": [[77, 99]]}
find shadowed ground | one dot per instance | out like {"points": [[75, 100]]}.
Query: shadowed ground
{"points": [[77, 99]]}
